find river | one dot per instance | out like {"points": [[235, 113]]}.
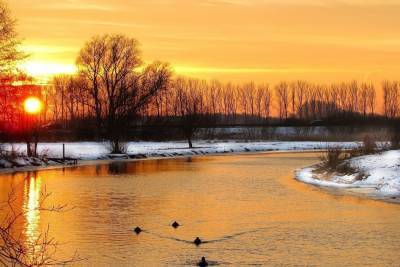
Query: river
{"points": [[247, 208]]}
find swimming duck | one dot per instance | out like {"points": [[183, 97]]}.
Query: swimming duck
{"points": [[203, 262], [137, 230], [197, 241], [175, 225]]}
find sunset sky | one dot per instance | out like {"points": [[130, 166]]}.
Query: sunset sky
{"points": [[237, 40]]}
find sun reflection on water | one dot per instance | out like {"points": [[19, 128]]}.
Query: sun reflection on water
{"points": [[32, 193]]}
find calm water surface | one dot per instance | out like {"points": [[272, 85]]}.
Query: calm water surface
{"points": [[248, 207]]}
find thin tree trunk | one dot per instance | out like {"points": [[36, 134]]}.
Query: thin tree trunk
{"points": [[190, 142]]}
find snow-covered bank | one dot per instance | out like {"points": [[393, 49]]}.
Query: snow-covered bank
{"points": [[98, 150], [379, 172], [135, 150]]}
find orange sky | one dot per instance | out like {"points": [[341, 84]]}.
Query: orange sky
{"points": [[238, 40]]}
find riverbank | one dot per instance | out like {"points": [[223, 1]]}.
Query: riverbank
{"points": [[376, 175], [95, 151]]}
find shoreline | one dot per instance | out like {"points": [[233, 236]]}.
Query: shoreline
{"points": [[91, 162], [86, 152]]}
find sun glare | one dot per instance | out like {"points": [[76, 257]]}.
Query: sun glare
{"points": [[33, 105], [47, 69]]}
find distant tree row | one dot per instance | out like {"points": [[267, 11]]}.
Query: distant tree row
{"points": [[314, 101], [74, 97]]}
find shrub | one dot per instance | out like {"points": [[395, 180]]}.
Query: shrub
{"points": [[333, 157]]}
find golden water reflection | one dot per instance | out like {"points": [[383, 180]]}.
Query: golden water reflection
{"points": [[31, 207]]}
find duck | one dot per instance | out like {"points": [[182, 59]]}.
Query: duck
{"points": [[175, 224], [203, 262], [197, 241], [137, 230]]}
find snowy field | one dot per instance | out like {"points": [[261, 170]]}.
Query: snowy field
{"points": [[380, 172], [96, 150]]}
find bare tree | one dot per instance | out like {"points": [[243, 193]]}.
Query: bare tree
{"points": [[353, 97], [263, 101], [334, 92], [249, 93], [391, 98], [229, 100], [241, 93], [10, 53], [371, 99], [365, 95], [282, 94], [214, 97], [300, 90], [190, 110], [154, 79], [259, 97], [321, 105], [118, 89], [68, 99], [343, 98], [89, 62], [292, 99]]}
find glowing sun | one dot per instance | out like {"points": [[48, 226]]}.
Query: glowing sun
{"points": [[33, 105]]}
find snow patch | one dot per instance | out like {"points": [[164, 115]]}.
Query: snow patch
{"points": [[382, 172]]}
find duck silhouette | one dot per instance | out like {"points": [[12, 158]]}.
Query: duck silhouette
{"points": [[197, 241], [203, 262], [137, 230]]}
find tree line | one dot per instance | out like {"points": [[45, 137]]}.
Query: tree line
{"points": [[73, 97], [114, 90]]}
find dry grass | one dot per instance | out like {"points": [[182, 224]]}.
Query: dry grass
{"points": [[333, 157], [336, 159]]}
